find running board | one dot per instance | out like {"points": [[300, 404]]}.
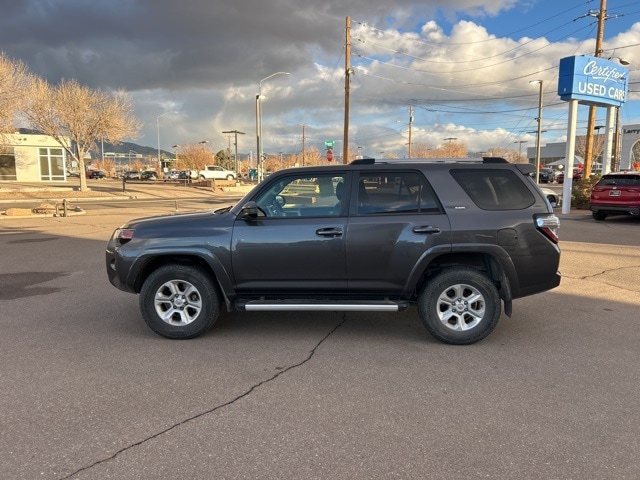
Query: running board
{"points": [[320, 306]]}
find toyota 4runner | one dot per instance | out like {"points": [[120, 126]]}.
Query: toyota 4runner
{"points": [[454, 237]]}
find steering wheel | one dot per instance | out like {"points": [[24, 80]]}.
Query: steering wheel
{"points": [[274, 208]]}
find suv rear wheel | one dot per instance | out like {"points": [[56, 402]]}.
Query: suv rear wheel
{"points": [[460, 306], [599, 215], [179, 302]]}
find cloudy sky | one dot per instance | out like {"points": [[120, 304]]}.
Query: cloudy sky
{"points": [[463, 65]]}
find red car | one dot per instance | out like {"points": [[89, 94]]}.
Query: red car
{"points": [[616, 193], [577, 175], [96, 174]]}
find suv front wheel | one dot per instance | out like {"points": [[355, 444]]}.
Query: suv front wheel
{"points": [[179, 301], [460, 306]]}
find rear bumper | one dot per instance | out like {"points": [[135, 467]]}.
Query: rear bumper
{"points": [[616, 209]]}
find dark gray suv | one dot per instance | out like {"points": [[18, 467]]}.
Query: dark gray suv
{"points": [[452, 236]]}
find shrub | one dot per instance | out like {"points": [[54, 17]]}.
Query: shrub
{"points": [[581, 192]]}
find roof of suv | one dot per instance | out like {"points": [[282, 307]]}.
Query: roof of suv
{"points": [[436, 163], [525, 168], [371, 161]]}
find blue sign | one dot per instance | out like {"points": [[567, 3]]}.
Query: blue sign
{"points": [[593, 81]]}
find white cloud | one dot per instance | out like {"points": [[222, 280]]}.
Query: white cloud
{"points": [[204, 58]]}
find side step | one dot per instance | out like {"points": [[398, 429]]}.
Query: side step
{"points": [[320, 305]]}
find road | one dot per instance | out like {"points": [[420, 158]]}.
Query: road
{"points": [[89, 392]]}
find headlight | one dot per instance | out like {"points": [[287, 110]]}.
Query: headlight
{"points": [[123, 235]]}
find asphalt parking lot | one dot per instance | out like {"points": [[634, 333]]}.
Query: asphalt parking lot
{"points": [[89, 392]]}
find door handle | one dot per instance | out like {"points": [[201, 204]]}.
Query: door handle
{"points": [[428, 229], [329, 232]]}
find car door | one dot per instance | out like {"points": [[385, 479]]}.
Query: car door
{"points": [[297, 244], [396, 223]]}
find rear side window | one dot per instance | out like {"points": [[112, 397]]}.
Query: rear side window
{"points": [[620, 180], [395, 192], [494, 189]]}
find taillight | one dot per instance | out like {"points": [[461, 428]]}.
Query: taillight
{"points": [[548, 224]]}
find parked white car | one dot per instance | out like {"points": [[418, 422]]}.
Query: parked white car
{"points": [[555, 199], [216, 172]]}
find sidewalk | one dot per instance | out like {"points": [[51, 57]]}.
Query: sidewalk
{"points": [[49, 198], [110, 188]]}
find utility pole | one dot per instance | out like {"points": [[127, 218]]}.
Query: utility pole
{"points": [[347, 74], [591, 121], [450, 139], [303, 138], [410, 124], [235, 142], [539, 132]]}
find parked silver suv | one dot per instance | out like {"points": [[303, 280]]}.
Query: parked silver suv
{"points": [[454, 237]]}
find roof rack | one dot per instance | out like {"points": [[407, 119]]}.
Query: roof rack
{"points": [[371, 161]]}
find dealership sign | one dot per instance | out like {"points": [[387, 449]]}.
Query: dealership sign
{"points": [[593, 81]]}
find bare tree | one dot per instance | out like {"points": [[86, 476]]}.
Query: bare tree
{"points": [[509, 154], [421, 150], [598, 145], [194, 156], [14, 82], [448, 150], [77, 117]]}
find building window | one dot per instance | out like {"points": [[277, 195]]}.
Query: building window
{"points": [[51, 164], [7, 164]]}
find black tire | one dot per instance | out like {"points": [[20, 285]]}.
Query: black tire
{"points": [[599, 215], [460, 306], [179, 301], [230, 177]]}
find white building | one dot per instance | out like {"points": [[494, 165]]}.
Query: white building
{"points": [[630, 137], [552, 152], [28, 157]]}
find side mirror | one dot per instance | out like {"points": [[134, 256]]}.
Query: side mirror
{"points": [[249, 211]]}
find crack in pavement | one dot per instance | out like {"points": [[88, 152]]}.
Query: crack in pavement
{"points": [[214, 409], [595, 277]]}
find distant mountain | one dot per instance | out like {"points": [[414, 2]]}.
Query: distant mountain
{"points": [[122, 147], [129, 147]]}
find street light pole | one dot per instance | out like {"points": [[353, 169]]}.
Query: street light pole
{"points": [[539, 119], [259, 122], [129, 157], [158, 130], [520, 149]]}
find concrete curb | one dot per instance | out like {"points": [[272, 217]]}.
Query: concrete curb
{"points": [[44, 215], [68, 199]]}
